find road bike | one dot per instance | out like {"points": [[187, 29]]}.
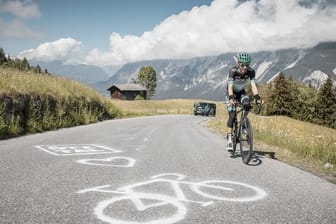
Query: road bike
{"points": [[242, 133]]}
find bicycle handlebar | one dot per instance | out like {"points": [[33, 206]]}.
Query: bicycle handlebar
{"points": [[259, 105]]}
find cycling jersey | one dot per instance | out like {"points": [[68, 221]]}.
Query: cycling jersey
{"points": [[239, 81]]}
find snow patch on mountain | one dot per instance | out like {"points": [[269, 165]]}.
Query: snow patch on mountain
{"points": [[271, 79], [217, 68], [220, 84], [262, 68], [316, 78], [301, 55], [334, 71]]}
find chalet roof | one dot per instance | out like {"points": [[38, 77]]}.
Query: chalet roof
{"points": [[129, 87]]}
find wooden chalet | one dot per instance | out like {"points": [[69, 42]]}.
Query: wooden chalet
{"points": [[127, 91]]}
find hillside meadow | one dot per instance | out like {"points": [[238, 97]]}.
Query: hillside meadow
{"points": [[31, 102]]}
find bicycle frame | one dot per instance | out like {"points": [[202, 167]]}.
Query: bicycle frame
{"points": [[240, 123], [236, 124], [243, 114]]}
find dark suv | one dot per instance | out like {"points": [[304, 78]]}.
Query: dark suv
{"points": [[204, 109]]}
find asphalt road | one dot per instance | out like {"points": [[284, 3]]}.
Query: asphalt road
{"points": [[160, 169]]}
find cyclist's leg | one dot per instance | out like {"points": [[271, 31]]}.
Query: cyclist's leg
{"points": [[232, 114], [239, 95], [245, 100], [246, 103]]}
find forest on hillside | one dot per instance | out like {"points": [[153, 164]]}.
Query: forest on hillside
{"points": [[20, 64], [288, 97]]}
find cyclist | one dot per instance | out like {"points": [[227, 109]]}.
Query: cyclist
{"points": [[239, 77]]}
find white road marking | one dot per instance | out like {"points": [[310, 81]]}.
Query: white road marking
{"points": [[162, 200], [232, 192], [119, 161], [76, 149]]}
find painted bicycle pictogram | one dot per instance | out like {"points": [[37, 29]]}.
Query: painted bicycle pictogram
{"points": [[210, 191]]}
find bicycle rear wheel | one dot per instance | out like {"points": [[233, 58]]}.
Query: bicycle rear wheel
{"points": [[246, 140]]}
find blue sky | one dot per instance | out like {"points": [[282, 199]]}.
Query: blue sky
{"points": [[91, 21], [114, 32]]}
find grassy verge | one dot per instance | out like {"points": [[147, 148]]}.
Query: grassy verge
{"points": [[154, 107], [32, 102], [301, 144], [14, 81]]}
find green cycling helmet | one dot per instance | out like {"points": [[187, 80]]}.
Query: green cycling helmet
{"points": [[244, 58]]}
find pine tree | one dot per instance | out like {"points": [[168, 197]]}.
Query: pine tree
{"points": [[325, 104], [279, 99], [3, 58], [304, 100], [37, 69], [333, 115], [25, 64]]}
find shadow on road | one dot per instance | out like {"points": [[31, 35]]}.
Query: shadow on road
{"points": [[270, 155], [258, 155], [256, 159]]}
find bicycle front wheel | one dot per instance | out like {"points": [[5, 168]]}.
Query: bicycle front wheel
{"points": [[246, 140], [234, 138]]}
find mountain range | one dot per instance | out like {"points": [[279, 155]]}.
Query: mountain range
{"points": [[205, 77], [87, 74]]}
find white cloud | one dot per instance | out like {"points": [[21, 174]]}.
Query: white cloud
{"points": [[66, 49], [17, 29], [22, 9], [226, 26]]}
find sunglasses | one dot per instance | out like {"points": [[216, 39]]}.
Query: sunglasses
{"points": [[244, 65]]}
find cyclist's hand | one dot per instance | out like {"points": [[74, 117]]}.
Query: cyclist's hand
{"points": [[260, 102], [232, 100], [258, 99]]}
